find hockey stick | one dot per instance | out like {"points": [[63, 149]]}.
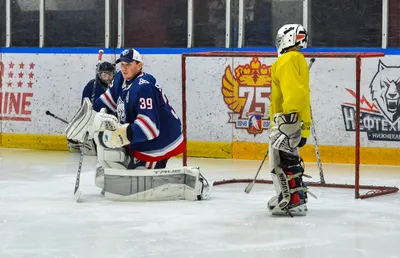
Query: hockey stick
{"points": [[314, 134], [99, 57], [56, 117], [251, 184], [77, 191]]}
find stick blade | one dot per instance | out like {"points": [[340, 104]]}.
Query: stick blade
{"points": [[77, 195], [249, 187]]}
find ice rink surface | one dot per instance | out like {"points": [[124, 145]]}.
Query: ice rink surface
{"points": [[39, 217]]}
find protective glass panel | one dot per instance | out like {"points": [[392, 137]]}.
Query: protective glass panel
{"points": [[263, 18], [25, 23], [74, 23], [156, 23], [209, 21], [394, 23], [344, 23], [234, 23]]}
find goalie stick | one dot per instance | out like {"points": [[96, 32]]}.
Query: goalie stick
{"points": [[249, 187], [314, 134], [56, 117], [100, 56], [251, 184], [77, 191]]}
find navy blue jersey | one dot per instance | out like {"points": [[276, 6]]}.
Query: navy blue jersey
{"points": [[88, 90], [157, 133]]}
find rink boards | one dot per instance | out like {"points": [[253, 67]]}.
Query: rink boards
{"points": [[227, 102]]}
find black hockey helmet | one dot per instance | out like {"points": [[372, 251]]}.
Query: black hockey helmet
{"points": [[105, 72]]}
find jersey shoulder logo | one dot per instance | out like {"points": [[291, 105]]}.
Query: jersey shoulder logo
{"points": [[143, 81]]}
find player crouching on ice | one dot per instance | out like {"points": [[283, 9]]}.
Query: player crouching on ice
{"points": [[144, 134], [290, 113]]}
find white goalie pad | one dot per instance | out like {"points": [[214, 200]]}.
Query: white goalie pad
{"points": [[156, 185], [109, 158], [281, 183], [279, 178], [81, 123]]}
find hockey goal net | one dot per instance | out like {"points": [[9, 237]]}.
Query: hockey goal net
{"points": [[241, 82]]}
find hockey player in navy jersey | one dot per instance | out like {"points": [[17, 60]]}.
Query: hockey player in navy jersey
{"points": [[135, 127], [149, 127], [96, 87], [93, 90]]}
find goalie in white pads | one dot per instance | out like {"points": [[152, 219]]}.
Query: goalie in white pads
{"points": [[144, 134], [290, 113]]}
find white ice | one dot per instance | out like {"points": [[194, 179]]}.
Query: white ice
{"points": [[39, 217]]}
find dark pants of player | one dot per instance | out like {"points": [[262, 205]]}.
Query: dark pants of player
{"points": [[291, 165], [135, 163]]}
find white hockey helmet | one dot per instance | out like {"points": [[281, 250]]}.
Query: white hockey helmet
{"points": [[290, 35]]}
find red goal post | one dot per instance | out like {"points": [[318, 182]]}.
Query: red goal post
{"points": [[372, 190]]}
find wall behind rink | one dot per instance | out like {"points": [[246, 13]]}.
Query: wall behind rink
{"points": [[227, 102]]}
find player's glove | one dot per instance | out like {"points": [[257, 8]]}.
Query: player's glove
{"points": [[302, 142], [286, 134], [81, 123], [111, 133]]}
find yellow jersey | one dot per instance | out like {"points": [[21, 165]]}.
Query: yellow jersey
{"points": [[291, 89]]}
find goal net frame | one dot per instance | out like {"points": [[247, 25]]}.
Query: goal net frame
{"points": [[372, 190]]}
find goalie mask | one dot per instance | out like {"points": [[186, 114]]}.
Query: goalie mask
{"points": [[290, 35], [105, 72]]}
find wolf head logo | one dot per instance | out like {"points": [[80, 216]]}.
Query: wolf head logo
{"points": [[385, 90]]}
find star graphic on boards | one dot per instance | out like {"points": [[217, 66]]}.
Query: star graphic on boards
{"points": [[10, 74], [21, 65], [30, 84], [31, 75], [11, 65], [20, 75], [32, 66], [19, 84]]}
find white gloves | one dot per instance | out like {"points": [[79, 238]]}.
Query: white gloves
{"points": [[81, 123], [111, 133], [286, 135]]}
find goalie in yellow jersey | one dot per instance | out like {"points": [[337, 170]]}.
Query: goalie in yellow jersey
{"points": [[290, 122]]}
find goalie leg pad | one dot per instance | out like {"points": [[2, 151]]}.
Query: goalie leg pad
{"points": [[287, 172], [109, 158], [155, 185], [81, 123]]}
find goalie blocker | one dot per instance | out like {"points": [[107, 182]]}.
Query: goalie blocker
{"points": [[184, 183]]}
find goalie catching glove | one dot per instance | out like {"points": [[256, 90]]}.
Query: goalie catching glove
{"points": [[286, 134], [111, 133], [81, 123]]}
